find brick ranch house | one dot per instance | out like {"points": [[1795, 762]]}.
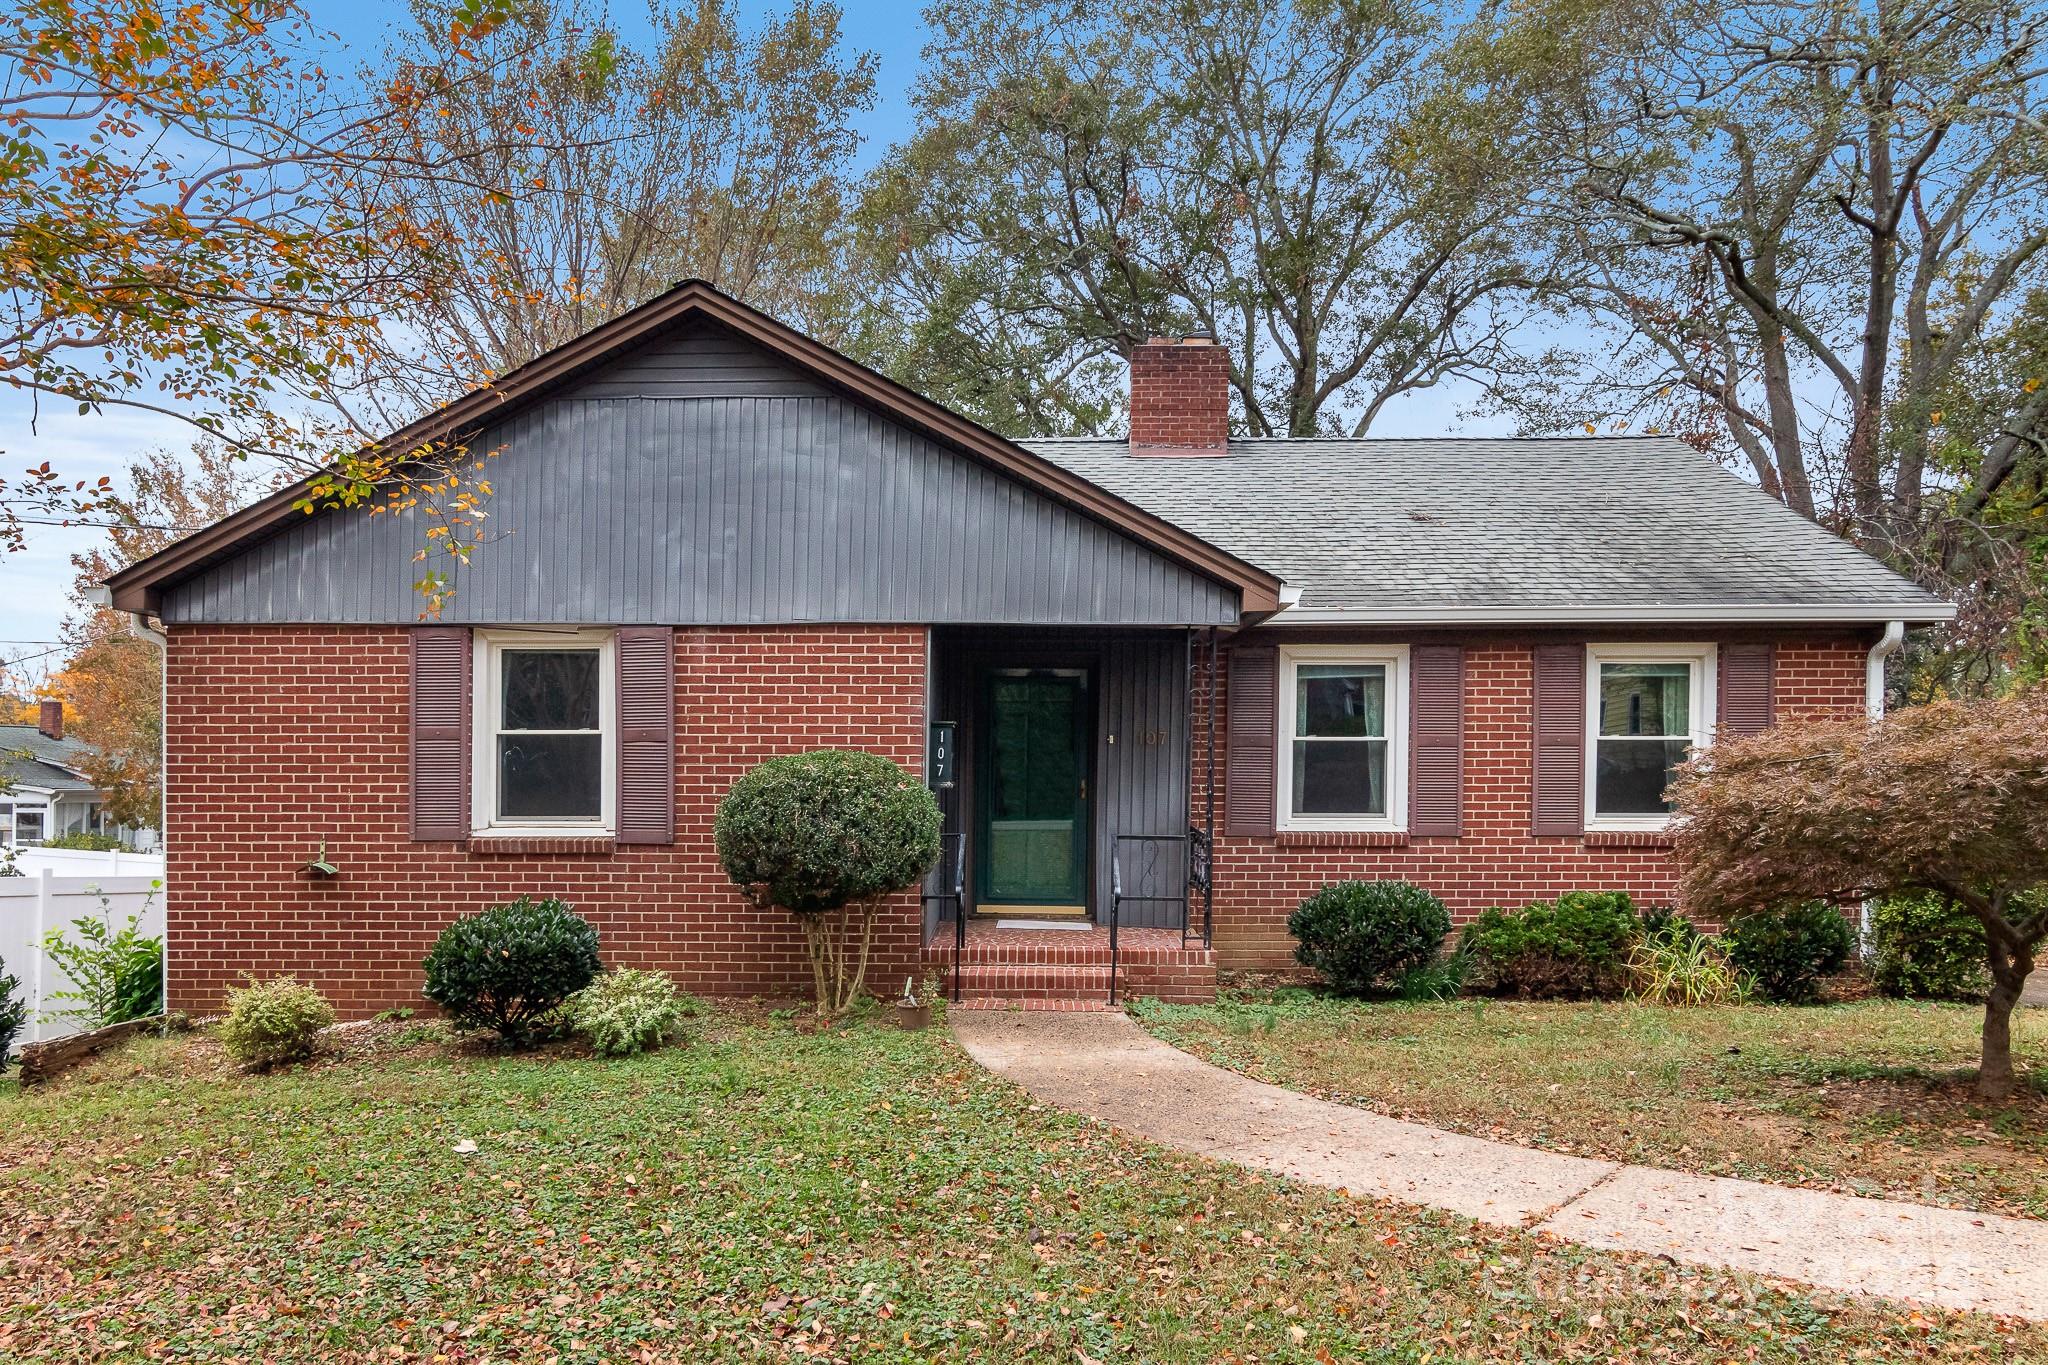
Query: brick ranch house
{"points": [[1469, 663]]}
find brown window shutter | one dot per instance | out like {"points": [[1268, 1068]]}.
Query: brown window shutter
{"points": [[1436, 740], [1747, 700], [647, 735], [1253, 701], [1558, 804], [440, 732]]}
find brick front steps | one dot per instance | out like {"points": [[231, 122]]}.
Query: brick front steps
{"points": [[1069, 968]]}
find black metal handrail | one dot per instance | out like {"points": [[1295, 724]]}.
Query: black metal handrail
{"points": [[947, 882], [1197, 878]]}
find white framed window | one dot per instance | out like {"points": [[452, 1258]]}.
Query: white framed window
{"points": [[544, 751], [1343, 760], [1647, 708]]}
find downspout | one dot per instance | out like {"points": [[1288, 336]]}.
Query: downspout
{"points": [[1873, 707], [1873, 668], [138, 626]]}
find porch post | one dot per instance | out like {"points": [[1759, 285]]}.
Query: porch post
{"points": [[1209, 802]]}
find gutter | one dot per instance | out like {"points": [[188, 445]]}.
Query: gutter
{"points": [[1873, 668], [1734, 613]]}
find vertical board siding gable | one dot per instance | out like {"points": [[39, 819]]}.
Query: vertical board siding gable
{"points": [[1249, 787], [1436, 721], [647, 735], [1748, 696], [1558, 801], [440, 686]]}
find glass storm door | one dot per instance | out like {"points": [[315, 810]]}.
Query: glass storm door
{"points": [[1034, 791]]}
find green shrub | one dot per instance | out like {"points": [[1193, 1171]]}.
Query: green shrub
{"points": [[1927, 947], [1787, 949], [117, 974], [816, 833], [1362, 936], [86, 839], [1662, 922], [512, 966], [1570, 948], [269, 1022], [13, 1014], [1676, 965], [628, 1011]]}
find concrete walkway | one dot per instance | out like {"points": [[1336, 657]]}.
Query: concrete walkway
{"points": [[1105, 1066]]}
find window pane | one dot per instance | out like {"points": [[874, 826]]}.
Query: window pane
{"points": [[1340, 777], [1631, 774], [550, 776], [1646, 699], [550, 689], [1340, 699], [28, 826]]}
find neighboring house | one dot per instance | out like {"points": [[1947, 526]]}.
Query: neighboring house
{"points": [[43, 795], [1467, 663]]}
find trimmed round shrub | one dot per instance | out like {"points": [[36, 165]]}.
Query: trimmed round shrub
{"points": [[1927, 947], [1574, 947], [511, 967], [1366, 936], [1787, 949], [817, 832], [628, 1011], [814, 831], [269, 1022]]}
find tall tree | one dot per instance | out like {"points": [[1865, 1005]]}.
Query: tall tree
{"points": [[111, 684], [1792, 222], [1082, 178], [715, 152]]}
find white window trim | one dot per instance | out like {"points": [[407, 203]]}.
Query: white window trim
{"points": [[483, 749], [1395, 659], [1704, 659]]}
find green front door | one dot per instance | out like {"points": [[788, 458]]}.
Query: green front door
{"points": [[1033, 791]]}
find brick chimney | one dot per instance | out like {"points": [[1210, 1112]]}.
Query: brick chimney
{"points": [[50, 719], [1180, 397]]}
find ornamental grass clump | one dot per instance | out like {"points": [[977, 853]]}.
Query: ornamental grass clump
{"points": [[272, 1022], [1363, 937], [627, 1011], [825, 835], [1681, 966], [510, 968]]}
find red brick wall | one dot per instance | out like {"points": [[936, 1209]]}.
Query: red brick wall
{"points": [[281, 737], [1496, 861], [1180, 398]]}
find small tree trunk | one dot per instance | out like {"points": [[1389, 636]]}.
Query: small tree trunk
{"points": [[2009, 969], [818, 944]]}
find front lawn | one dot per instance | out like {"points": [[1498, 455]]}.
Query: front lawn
{"points": [[772, 1193], [1872, 1097]]}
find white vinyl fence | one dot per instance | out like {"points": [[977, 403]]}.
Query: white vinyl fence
{"points": [[87, 862], [32, 905]]}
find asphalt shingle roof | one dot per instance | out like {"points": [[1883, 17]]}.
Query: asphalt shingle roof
{"points": [[30, 758], [1517, 525]]}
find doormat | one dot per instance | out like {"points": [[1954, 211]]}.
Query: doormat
{"points": [[1081, 924]]}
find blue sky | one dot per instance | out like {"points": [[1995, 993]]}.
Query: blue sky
{"points": [[34, 582]]}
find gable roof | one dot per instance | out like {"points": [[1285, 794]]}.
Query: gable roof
{"points": [[1570, 530], [30, 758], [139, 586]]}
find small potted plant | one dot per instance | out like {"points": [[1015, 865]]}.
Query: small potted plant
{"points": [[914, 1010]]}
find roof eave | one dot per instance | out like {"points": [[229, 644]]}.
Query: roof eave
{"points": [[1718, 613]]}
